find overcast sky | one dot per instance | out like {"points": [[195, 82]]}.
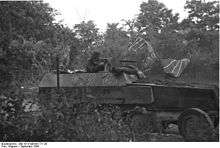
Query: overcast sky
{"points": [[105, 11]]}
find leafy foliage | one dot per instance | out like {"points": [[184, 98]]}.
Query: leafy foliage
{"points": [[205, 15], [154, 14], [30, 41], [115, 43], [89, 39]]}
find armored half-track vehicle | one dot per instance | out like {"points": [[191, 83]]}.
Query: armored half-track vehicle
{"points": [[194, 108]]}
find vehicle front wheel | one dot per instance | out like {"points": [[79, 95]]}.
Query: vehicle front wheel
{"points": [[195, 125]]}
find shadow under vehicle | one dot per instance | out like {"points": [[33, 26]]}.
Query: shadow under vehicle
{"points": [[194, 108]]}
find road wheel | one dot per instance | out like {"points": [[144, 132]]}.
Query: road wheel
{"points": [[195, 125]]}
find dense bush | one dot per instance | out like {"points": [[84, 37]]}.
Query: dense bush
{"points": [[58, 121], [30, 41]]}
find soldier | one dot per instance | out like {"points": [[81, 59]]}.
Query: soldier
{"points": [[95, 63]]}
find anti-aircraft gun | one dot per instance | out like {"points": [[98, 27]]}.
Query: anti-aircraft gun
{"points": [[194, 108]]}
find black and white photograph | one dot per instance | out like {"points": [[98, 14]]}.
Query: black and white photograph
{"points": [[109, 71]]}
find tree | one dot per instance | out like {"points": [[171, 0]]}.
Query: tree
{"points": [[88, 35], [89, 39], [204, 15], [155, 15], [201, 32], [29, 19], [202, 25], [157, 24], [115, 43], [130, 26], [23, 27]]}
